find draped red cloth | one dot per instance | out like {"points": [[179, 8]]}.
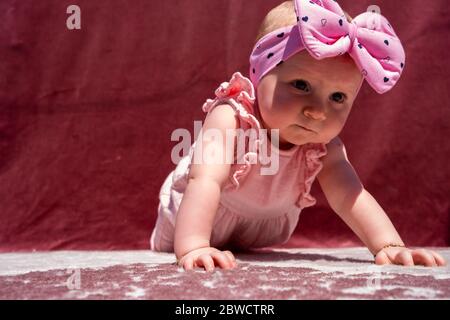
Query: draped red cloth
{"points": [[86, 118]]}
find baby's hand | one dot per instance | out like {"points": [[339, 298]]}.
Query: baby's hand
{"points": [[409, 257], [207, 258]]}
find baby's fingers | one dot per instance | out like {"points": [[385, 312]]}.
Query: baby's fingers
{"points": [[206, 261], [382, 258], [222, 260], [440, 261], [230, 257], [423, 257], [405, 258], [188, 263]]}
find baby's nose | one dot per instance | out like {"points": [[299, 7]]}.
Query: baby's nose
{"points": [[314, 113]]}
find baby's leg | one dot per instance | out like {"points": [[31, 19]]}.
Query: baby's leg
{"points": [[161, 239]]}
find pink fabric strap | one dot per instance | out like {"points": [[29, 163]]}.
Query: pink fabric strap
{"points": [[324, 31]]}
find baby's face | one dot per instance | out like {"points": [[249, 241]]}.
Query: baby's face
{"points": [[304, 92]]}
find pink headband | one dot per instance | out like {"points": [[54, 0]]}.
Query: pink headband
{"points": [[324, 31]]}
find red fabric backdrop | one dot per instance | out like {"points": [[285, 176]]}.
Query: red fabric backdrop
{"points": [[86, 117]]}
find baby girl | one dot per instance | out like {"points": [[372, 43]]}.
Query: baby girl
{"points": [[306, 69]]}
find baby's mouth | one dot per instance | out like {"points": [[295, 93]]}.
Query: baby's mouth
{"points": [[304, 128]]}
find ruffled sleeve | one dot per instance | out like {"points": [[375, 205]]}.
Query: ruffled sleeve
{"points": [[240, 89], [240, 94], [312, 152]]}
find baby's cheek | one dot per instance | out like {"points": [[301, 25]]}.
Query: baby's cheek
{"points": [[333, 127], [274, 114], [342, 118], [286, 108], [284, 115]]}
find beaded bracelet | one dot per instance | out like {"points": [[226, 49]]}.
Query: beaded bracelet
{"points": [[390, 245]]}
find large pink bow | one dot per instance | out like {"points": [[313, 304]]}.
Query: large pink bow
{"points": [[325, 32]]}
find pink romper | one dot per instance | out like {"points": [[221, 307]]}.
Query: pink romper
{"points": [[255, 210]]}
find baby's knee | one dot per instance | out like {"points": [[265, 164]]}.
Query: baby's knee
{"points": [[159, 244]]}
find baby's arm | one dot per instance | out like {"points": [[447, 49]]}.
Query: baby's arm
{"points": [[200, 201], [362, 213]]}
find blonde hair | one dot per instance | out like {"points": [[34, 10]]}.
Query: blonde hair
{"points": [[281, 16]]}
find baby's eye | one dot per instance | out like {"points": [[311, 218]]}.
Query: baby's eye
{"points": [[338, 97], [301, 84]]}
